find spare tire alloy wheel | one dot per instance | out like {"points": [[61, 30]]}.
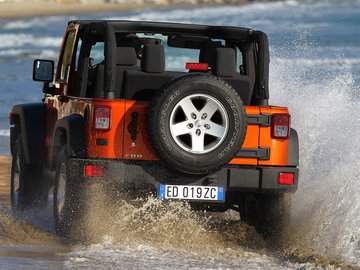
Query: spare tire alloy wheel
{"points": [[200, 132], [197, 123]]}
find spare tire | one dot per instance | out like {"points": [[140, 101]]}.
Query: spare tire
{"points": [[197, 123]]}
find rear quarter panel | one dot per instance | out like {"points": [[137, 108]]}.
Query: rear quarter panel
{"points": [[278, 147]]}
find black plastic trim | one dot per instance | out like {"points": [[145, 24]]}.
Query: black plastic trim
{"points": [[74, 128], [101, 142], [32, 129], [293, 149], [259, 119], [260, 153], [269, 179], [150, 174]]}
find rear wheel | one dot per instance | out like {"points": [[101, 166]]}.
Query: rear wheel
{"points": [[26, 187], [59, 191], [65, 206]]}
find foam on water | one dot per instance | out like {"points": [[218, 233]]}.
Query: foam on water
{"points": [[21, 40], [36, 22], [4, 132]]}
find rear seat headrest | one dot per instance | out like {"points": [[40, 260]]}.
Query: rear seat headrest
{"points": [[153, 58], [225, 62], [126, 56], [207, 52]]}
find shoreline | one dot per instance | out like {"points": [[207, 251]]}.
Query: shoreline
{"points": [[19, 10]]}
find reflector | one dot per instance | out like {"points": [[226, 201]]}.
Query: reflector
{"points": [[286, 179], [94, 170]]}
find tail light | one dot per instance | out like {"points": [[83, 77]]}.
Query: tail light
{"points": [[286, 178], [93, 170], [280, 126], [102, 118]]}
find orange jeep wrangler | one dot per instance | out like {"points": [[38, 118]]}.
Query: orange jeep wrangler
{"points": [[180, 110]]}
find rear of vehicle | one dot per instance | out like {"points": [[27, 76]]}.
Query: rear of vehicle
{"points": [[192, 122], [185, 138], [176, 110]]}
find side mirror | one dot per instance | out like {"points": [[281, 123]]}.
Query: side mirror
{"points": [[43, 70]]}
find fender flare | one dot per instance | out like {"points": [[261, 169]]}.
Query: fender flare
{"points": [[69, 130], [31, 119], [293, 149]]}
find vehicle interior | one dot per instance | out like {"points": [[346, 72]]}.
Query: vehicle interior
{"points": [[144, 62]]}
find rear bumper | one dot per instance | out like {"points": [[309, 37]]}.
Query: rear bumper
{"points": [[143, 174]]}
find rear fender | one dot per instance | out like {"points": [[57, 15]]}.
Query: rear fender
{"points": [[29, 121], [69, 130]]}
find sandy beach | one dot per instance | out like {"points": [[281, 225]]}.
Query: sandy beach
{"points": [[12, 10], [18, 9]]}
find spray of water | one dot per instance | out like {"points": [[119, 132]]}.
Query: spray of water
{"points": [[19, 230], [324, 101], [160, 224]]}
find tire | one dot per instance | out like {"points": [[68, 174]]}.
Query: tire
{"points": [[197, 123], [26, 189], [65, 205], [269, 214]]}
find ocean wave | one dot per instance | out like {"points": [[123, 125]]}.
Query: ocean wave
{"points": [[46, 54], [183, 14], [5, 132], [21, 40], [253, 15], [32, 23]]}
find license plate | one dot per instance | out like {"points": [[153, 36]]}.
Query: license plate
{"points": [[180, 192]]}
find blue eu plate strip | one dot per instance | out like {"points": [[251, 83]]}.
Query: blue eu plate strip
{"points": [[220, 194], [162, 192]]}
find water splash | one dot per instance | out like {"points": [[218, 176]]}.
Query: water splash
{"points": [[161, 224], [166, 235], [324, 103], [20, 231]]}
